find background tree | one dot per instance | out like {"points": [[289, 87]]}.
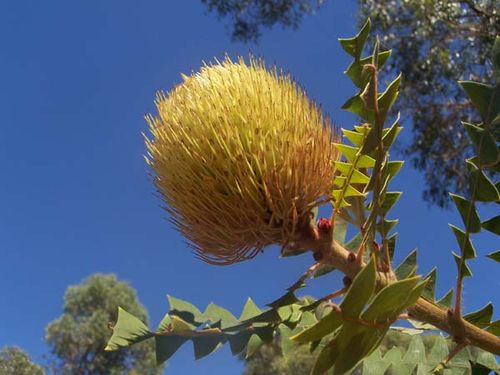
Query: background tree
{"points": [[269, 360], [435, 43], [14, 361], [250, 16], [78, 337]]}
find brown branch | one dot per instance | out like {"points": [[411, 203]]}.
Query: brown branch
{"points": [[423, 310]]}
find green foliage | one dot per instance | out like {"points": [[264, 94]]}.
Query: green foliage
{"points": [[423, 355], [346, 337], [434, 44], [78, 337], [249, 17], [398, 353], [486, 100], [269, 360], [13, 361]]}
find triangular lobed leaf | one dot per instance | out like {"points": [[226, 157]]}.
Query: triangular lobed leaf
{"points": [[462, 265], [492, 225], [408, 266], [388, 301], [128, 330], [485, 144], [464, 242], [468, 213], [480, 316], [354, 46], [481, 96], [495, 256], [360, 291]]}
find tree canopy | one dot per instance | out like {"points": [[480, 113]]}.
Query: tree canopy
{"points": [[78, 337], [14, 361], [250, 16]]}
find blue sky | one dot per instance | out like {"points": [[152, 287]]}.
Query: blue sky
{"points": [[77, 78]]}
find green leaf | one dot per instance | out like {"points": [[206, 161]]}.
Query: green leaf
{"points": [[392, 168], [356, 105], [356, 347], [339, 230], [494, 328], [480, 316], [254, 343], [348, 151], [484, 142], [358, 75], [128, 330], [390, 199], [495, 256], [325, 360], [166, 346], [287, 299], [180, 325], [408, 266], [388, 97], [350, 191], [219, 317], [353, 244], [492, 225], [354, 46], [466, 272], [496, 59], [392, 245], [323, 270], [468, 213], [346, 168], [387, 227], [438, 352], [164, 324], [322, 328], [481, 96], [429, 291], [355, 137], [416, 351], [447, 299], [250, 310], [239, 341], [185, 310], [205, 345], [414, 295], [371, 141], [486, 190], [389, 138], [464, 242], [351, 154], [387, 302], [360, 291]]}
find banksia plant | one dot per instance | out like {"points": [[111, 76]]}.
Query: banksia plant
{"points": [[241, 156]]}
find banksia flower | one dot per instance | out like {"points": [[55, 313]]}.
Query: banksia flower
{"points": [[240, 157]]}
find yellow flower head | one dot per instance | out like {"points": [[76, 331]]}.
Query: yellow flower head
{"points": [[241, 156]]}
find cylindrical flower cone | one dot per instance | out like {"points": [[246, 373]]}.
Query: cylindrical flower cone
{"points": [[241, 156]]}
